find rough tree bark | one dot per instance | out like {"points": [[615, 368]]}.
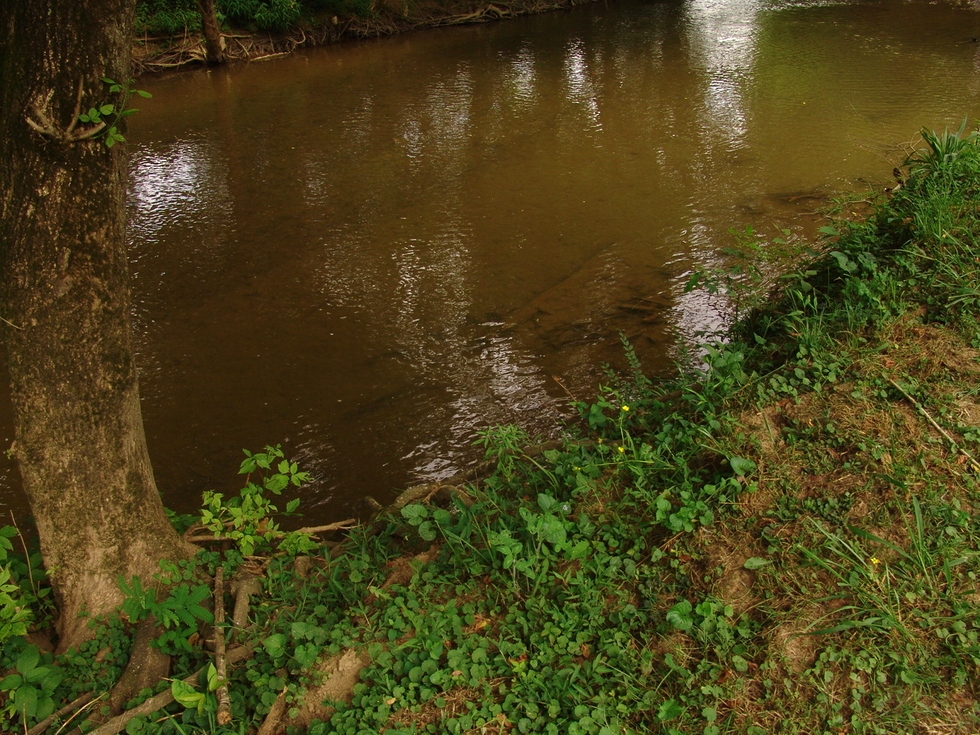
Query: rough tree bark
{"points": [[213, 41], [65, 309]]}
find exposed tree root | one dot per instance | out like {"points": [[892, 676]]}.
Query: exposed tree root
{"points": [[243, 585], [147, 665], [335, 678], [161, 700]]}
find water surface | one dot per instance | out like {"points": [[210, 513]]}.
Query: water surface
{"points": [[370, 252]]}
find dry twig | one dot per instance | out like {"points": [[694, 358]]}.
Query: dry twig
{"points": [[199, 534], [224, 702], [10, 324], [921, 409]]}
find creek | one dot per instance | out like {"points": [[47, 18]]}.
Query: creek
{"points": [[369, 252]]}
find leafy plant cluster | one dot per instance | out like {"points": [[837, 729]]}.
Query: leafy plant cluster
{"points": [[24, 590], [30, 689], [106, 116], [15, 611], [179, 612], [248, 518]]}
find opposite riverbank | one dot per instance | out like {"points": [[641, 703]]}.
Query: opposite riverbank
{"points": [[169, 32], [170, 37]]}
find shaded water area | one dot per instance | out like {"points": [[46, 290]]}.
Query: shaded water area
{"points": [[372, 251]]}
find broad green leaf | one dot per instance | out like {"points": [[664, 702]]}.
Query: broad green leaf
{"points": [[37, 674], [45, 706], [441, 516], [679, 616], [11, 682], [213, 681], [415, 513], [275, 645], [755, 562], [580, 550], [25, 700], [552, 530], [741, 466], [28, 660], [52, 679], [669, 710], [186, 695], [276, 483], [427, 531]]}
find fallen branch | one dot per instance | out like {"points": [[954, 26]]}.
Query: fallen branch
{"points": [[79, 704], [200, 534], [269, 57], [345, 525], [940, 429], [224, 702]]}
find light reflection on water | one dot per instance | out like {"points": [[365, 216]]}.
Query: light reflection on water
{"points": [[723, 39], [370, 252]]}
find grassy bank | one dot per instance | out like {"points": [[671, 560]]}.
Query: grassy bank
{"points": [[783, 539]]}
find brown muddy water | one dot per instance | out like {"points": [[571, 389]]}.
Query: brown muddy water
{"points": [[370, 252]]}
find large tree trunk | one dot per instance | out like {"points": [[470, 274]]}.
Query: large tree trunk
{"points": [[64, 305]]}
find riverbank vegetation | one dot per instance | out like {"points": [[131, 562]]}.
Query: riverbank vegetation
{"points": [[169, 32], [782, 538]]}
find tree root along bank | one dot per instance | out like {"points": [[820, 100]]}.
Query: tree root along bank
{"points": [[162, 53]]}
